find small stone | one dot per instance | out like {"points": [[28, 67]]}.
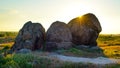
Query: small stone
{"points": [[24, 51]]}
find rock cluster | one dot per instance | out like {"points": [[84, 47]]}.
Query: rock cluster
{"points": [[82, 30]]}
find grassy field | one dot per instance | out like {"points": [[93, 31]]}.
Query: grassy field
{"points": [[110, 45], [7, 39], [108, 40], [32, 61]]}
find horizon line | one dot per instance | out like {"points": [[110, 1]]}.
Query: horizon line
{"points": [[46, 31]]}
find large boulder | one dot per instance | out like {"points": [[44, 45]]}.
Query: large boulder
{"points": [[85, 29], [31, 36], [58, 36]]}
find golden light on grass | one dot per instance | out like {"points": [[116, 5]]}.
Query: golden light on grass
{"points": [[110, 45], [9, 44], [111, 51]]}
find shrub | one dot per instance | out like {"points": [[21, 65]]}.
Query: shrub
{"points": [[23, 60], [11, 64], [2, 35]]}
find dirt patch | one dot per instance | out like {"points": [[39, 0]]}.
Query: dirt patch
{"points": [[98, 60]]}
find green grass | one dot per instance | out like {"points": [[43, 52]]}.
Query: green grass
{"points": [[24, 61], [83, 52]]}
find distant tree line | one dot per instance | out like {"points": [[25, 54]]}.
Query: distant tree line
{"points": [[8, 34]]}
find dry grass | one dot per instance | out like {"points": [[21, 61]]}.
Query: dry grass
{"points": [[112, 51], [6, 44], [108, 40], [110, 45]]}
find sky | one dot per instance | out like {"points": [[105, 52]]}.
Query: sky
{"points": [[15, 13]]}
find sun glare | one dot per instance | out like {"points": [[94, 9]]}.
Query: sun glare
{"points": [[80, 16], [76, 10]]}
